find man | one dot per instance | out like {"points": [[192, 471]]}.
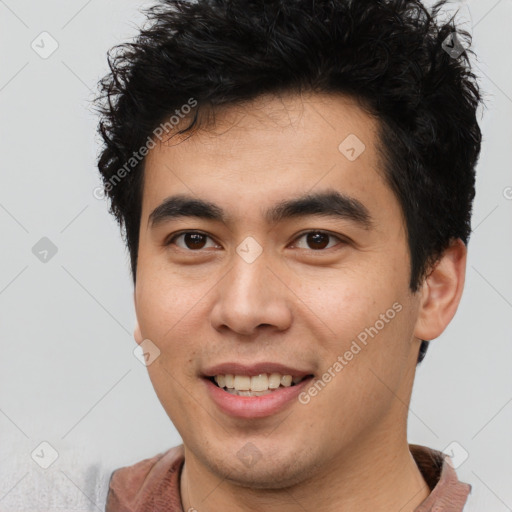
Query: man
{"points": [[295, 181]]}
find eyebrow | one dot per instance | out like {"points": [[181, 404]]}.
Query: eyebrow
{"points": [[323, 204]]}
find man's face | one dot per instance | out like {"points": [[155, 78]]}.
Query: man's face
{"points": [[272, 295]]}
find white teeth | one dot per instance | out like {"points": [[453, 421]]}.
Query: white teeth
{"points": [[260, 393], [286, 380], [242, 382], [259, 383], [242, 393], [256, 385], [274, 380], [248, 393]]}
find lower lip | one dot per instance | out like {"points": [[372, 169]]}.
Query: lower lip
{"points": [[255, 406]]}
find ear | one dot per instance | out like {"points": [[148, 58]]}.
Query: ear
{"points": [[137, 334], [441, 292]]}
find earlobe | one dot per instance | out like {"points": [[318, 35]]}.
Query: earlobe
{"points": [[137, 334], [441, 292]]}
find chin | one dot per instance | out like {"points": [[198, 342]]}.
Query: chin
{"points": [[268, 480], [267, 472]]}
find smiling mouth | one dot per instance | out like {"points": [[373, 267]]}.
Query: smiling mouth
{"points": [[257, 385]]}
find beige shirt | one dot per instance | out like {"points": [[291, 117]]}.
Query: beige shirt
{"points": [[153, 485]]}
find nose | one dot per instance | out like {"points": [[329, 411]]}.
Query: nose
{"points": [[251, 297]]}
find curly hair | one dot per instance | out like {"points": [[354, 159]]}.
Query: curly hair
{"points": [[390, 55]]}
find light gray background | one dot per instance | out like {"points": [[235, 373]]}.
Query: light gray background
{"points": [[67, 372]]}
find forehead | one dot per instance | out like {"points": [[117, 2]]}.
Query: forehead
{"points": [[269, 150], [287, 126]]}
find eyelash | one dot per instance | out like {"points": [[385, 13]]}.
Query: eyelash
{"points": [[170, 241]]}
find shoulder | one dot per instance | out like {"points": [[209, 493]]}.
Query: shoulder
{"points": [[133, 487]]}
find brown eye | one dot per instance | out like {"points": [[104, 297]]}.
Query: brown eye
{"points": [[194, 240], [318, 240], [191, 240]]}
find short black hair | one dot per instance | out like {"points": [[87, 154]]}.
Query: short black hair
{"points": [[392, 56]]}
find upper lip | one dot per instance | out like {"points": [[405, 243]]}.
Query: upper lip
{"points": [[234, 368]]}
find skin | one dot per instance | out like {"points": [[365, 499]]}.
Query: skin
{"points": [[347, 448]]}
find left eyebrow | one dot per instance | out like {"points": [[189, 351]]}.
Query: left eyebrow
{"points": [[326, 204]]}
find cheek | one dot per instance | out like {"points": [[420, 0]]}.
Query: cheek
{"points": [[369, 320], [348, 300], [164, 297], [168, 314]]}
